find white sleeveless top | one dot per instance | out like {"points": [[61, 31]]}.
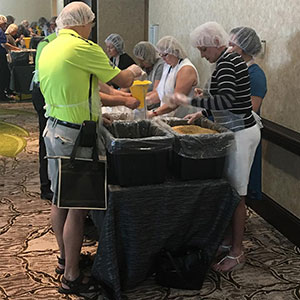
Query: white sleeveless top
{"points": [[167, 84]]}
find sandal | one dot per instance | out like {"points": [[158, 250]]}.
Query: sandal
{"points": [[239, 263], [78, 287], [222, 250], [85, 261], [58, 269]]}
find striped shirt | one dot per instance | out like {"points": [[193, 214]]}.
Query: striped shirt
{"points": [[230, 98]]}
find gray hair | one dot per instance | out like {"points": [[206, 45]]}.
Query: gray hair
{"points": [[210, 34], [146, 51]]}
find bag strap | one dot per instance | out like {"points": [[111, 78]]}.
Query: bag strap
{"points": [[76, 145], [90, 96]]}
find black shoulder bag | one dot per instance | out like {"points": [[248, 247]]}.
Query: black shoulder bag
{"points": [[82, 182]]}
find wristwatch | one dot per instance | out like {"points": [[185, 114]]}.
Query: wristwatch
{"points": [[154, 112]]}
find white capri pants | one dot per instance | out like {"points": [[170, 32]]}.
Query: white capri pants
{"points": [[240, 158]]}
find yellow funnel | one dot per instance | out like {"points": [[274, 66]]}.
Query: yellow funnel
{"points": [[139, 90], [27, 41]]}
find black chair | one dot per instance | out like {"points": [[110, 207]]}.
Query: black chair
{"points": [[35, 41]]}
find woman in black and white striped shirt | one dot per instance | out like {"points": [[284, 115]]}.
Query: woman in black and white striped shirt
{"points": [[228, 99]]}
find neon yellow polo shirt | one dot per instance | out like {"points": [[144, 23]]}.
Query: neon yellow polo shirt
{"points": [[65, 66]]}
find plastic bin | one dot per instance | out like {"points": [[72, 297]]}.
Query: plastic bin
{"points": [[198, 156], [137, 152]]}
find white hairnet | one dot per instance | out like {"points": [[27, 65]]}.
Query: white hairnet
{"points": [[145, 51], [168, 44], [75, 14], [210, 34], [117, 41], [247, 39], [2, 19]]}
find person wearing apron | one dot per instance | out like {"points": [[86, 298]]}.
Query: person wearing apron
{"points": [[179, 75], [229, 101]]}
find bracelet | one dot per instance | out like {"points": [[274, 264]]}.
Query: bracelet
{"points": [[155, 112]]}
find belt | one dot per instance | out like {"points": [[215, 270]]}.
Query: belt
{"points": [[64, 123]]}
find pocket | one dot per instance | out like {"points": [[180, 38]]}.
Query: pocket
{"points": [[63, 140]]}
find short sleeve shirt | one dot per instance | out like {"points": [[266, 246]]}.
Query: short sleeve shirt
{"points": [[65, 68], [258, 81]]}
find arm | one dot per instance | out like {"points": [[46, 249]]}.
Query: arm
{"points": [[256, 103], [11, 47], [185, 80], [114, 100]]}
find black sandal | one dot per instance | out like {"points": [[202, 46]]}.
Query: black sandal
{"points": [[77, 286], [85, 261], [58, 269]]}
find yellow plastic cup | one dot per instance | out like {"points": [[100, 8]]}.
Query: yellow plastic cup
{"points": [[27, 41], [139, 90]]}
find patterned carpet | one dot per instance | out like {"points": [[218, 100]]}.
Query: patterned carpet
{"points": [[28, 248]]}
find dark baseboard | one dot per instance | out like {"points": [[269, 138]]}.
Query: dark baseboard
{"points": [[285, 222]]}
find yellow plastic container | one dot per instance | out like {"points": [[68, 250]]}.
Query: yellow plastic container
{"points": [[27, 41], [139, 90]]}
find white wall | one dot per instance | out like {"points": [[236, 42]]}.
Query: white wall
{"points": [[30, 10]]}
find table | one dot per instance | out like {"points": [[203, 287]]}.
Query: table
{"points": [[142, 220]]}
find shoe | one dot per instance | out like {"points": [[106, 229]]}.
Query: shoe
{"points": [[47, 196], [219, 267], [87, 241], [223, 249], [84, 262], [78, 287]]}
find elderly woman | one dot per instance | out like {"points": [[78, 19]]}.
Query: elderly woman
{"points": [[150, 62], [245, 41], [179, 76], [11, 33], [229, 101], [115, 50]]}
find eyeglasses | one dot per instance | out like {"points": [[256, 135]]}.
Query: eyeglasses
{"points": [[163, 54]]}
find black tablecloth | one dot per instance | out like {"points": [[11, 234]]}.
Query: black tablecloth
{"points": [[142, 220]]}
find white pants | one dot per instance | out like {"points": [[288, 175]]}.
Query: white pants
{"points": [[240, 158]]}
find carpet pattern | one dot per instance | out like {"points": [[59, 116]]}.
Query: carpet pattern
{"points": [[28, 248]]}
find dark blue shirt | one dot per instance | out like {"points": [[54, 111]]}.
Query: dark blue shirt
{"points": [[2, 41]]}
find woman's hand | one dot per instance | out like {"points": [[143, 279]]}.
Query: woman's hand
{"points": [[193, 117], [198, 92]]}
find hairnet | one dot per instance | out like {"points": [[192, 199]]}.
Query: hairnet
{"points": [[247, 39], [210, 34], [75, 14], [168, 44], [11, 28], [2, 19], [146, 51], [117, 41]]}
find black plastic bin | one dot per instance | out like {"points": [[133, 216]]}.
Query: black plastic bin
{"points": [[198, 156], [137, 152]]}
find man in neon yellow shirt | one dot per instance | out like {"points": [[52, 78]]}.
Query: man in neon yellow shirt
{"points": [[69, 70]]}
